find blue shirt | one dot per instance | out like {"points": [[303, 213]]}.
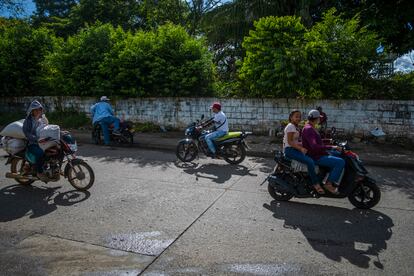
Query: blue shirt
{"points": [[101, 110]]}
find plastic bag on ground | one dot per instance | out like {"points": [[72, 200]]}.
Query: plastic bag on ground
{"points": [[14, 130]]}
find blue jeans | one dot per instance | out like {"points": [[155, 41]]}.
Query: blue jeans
{"points": [[293, 153], [36, 153], [336, 164], [105, 123], [211, 136]]}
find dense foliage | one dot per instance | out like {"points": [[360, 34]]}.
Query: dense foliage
{"points": [[333, 59], [255, 48]]}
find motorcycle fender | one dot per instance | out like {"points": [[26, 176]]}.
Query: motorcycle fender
{"points": [[71, 163]]}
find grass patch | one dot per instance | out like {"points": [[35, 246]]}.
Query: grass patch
{"points": [[64, 119], [146, 127], [68, 119]]}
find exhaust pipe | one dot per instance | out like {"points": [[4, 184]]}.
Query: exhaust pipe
{"points": [[281, 185], [19, 176]]}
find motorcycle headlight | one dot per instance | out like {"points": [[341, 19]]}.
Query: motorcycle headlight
{"points": [[187, 132]]}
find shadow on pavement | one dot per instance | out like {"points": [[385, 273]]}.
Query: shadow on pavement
{"points": [[355, 235], [17, 201], [218, 173], [138, 157]]}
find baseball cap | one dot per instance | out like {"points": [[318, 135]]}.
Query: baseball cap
{"points": [[216, 105], [314, 114], [104, 98]]}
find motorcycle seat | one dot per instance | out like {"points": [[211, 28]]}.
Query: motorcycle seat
{"points": [[235, 134]]}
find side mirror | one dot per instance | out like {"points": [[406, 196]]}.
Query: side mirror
{"points": [[202, 117]]}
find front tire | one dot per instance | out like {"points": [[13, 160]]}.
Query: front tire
{"points": [[186, 152], [17, 165], [80, 175], [365, 195], [234, 154]]}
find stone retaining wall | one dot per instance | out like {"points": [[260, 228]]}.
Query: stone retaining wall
{"points": [[396, 118]]}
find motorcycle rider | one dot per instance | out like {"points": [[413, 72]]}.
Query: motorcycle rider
{"points": [[103, 114], [293, 149], [312, 141], [221, 127], [35, 118]]}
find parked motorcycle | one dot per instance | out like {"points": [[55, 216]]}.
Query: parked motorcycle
{"points": [[231, 147], [57, 152], [290, 179], [125, 129]]}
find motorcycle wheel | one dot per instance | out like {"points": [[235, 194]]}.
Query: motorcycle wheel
{"points": [[277, 195], [234, 154], [96, 136], [186, 152], [17, 165], [80, 175], [365, 195]]}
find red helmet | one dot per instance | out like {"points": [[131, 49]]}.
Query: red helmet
{"points": [[216, 105]]}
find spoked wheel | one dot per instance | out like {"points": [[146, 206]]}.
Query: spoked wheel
{"points": [[277, 195], [234, 154], [186, 152], [365, 196], [17, 166], [80, 175]]}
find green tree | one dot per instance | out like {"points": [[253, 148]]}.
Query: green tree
{"points": [[344, 55], [22, 50], [124, 13], [275, 64], [157, 13], [165, 62], [74, 68], [331, 60]]}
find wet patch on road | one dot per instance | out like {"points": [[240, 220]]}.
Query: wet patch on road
{"points": [[148, 243]]}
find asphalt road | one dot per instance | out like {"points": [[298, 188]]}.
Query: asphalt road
{"points": [[149, 214]]}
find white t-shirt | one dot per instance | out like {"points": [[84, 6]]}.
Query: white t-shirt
{"points": [[288, 129], [220, 121]]}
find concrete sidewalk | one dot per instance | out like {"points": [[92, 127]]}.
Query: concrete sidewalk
{"points": [[382, 155]]}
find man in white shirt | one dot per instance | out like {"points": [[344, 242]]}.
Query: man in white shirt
{"points": [[221, 127]]}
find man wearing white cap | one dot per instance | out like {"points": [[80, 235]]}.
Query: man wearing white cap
{"points": [[103, 114]]}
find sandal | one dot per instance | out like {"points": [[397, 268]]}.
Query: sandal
{"points": [[331, 189], [319, 189]]}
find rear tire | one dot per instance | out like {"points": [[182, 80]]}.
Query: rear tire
{"points": [[96, 135], [234, 154], [279, 196], [17, 165], [186, 152], [365, 195]]}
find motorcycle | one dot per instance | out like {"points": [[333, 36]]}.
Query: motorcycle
{"points": [[231, 147], [56, 153], [290, 179], [126, 134]]}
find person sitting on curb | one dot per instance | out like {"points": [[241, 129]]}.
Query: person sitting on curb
{"points": [[103, 114], [221, 127], [293, 149], [35, 118], [312, 141]]}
